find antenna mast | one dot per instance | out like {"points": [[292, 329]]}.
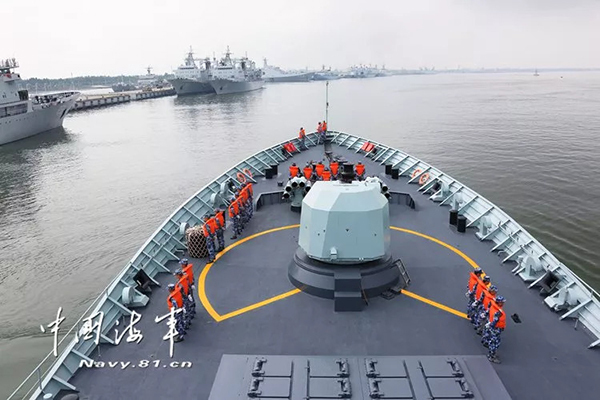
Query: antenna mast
{"points": [[327, 102]]}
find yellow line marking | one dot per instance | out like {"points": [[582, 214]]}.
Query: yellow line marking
{"points": [[434, 304], [202, 280], [451, 248], [218, 317], [446, 245], [260, 304]]}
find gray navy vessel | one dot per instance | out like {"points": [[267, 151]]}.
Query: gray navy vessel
{"points": [[346, 289], [22, 115], [191, 79]]}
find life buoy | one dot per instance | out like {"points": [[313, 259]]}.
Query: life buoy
{"points": [[424, 178], [248, 172], [416, 172], [241, 177]]}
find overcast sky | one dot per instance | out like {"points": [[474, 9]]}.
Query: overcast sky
{"points": [[110, 37]]}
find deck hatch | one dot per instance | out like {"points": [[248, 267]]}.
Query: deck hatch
{"points": [[356, 378], [441, 368]]}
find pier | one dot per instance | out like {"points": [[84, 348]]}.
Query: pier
{"points": [[86, 102]]}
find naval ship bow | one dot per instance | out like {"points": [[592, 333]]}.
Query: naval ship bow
{"points": [[359, 295]]}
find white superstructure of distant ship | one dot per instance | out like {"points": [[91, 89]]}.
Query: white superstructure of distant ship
{"points": [[150, 81], [276, 74], [191, 78], [235, 75], [22, 116], [326, 75], [364, 71]]}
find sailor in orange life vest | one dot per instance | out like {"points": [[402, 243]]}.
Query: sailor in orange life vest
{"points": [[308, 171], [302, 138], [494, 327], [209, 235], [319, 132], [480, 290], [234, 215], [471, 288], [175, 300], [184, 286], [484, 308], [294, 170], [220, 221], [188, 272], [323, 131], [360, 171]]}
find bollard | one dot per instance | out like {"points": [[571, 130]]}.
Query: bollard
{"points": [[461, 224], [453, 217], [388, 169], [395, 173]]}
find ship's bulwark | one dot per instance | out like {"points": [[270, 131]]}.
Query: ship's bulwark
{"points": [[22, 126]]}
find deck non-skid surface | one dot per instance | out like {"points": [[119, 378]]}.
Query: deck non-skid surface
{"points": [[543, 358]]}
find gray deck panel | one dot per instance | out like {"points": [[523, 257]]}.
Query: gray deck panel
{"points": [[542, 357]]}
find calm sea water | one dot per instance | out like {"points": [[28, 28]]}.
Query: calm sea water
{"points": [[76, 203]]}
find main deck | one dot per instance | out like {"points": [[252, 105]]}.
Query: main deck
{"points": [[247, 305]]}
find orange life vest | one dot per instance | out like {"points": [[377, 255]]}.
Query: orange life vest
{"points": [[472, 280], [184, 284], [334, 168], [319, 169], [326, 175], [213, 224], [207, 229], [308, 171], [234, 209], [220, 219], [175, 294], [294, 170], [488, 299], [249, 189], [502, 321], [324, 126], [188, 271], [244, 195], [360, 169], [481, 286], [302, 134]]}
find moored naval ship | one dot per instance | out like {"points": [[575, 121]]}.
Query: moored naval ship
{"points": [[123, 87], [276, 74], [326, 75], [345, 277], [235, 75], [22, 116], [191, 79]]}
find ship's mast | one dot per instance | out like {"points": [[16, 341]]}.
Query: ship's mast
{"points": [[327, 103]]}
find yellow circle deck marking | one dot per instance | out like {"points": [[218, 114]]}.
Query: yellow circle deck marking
{"points": [[218, 317], [202, 280]]}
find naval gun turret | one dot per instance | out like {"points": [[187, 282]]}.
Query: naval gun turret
{"points": [[344, 243]]}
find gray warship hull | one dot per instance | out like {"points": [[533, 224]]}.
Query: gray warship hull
{"points": [[21, 126], [224, 86], [184, 86]]}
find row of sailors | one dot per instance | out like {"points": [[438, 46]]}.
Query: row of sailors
{"points": [[240, 211], [319, 172], [485, 311], [181, 297]]}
